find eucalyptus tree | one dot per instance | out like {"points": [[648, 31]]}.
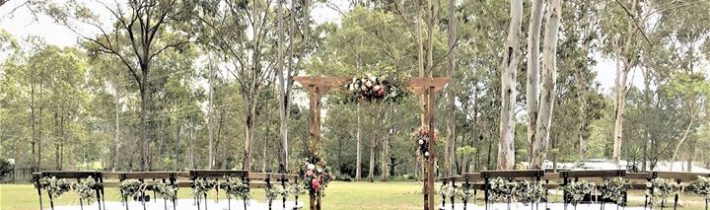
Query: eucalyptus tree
{"points": [[134, 36], [509, 68]]}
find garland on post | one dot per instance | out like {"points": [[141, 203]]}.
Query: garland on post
{"points": [[660, 189], [577, 190], [614, 189]]}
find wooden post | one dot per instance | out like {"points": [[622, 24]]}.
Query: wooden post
{"points": [[429, 87], [317, 87]]}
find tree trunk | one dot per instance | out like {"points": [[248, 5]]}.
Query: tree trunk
{"points": [[210, 117], [371, 173], [283, 129], [358, 161], [384, 158], [533, 72], [451, 118], [144, 121], [621, 75], [680, 142], [420, 52], [117, 133], [33, 122], [547, 101], [506, 147]]}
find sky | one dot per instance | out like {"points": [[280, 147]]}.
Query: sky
{"points": [[22, 23]]}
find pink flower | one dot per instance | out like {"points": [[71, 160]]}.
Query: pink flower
{"points": [[315, 183], [309, 173]]}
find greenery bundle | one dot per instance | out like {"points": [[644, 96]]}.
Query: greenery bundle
{"points": [[165, 191], [447, 190], [132, 188], [55, 187], [700, 187], [502, 190], [660, 189], [531, 192], [202, 186], [614, 189], [274, 192], [86, 189], [577, 190], [235, 187]]}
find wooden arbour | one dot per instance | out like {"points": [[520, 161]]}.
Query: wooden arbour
{"points": [[427, 87]]}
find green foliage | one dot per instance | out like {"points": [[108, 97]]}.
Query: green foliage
{"points": [[502, 190], [5, 168], [577, 190], [202, 186], [464, 193], [700, 187], [55, 187], [165, 190], [614, 189], [86, 189], [132, 188], [531, 192], [660, 189], [447, 190], [235, 187], [274, 192]]}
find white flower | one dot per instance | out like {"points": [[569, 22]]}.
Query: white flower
{"points": [[426, 154], [311, 166], [421, 141]]}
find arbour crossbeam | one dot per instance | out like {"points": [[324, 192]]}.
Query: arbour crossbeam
{"points": [[425, 86]]}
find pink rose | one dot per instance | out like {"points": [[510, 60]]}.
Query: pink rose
{"points": [[315, 183], [309, 173]]}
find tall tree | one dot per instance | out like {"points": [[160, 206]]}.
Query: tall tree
{"points": [[141, 22], [533, 72], [550, 80], [509, 68]]}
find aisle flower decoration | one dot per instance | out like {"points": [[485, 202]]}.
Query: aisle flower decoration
{"points": [[296, 189], [86, 189], [700, 187], [531, 192], [55, 187], [202, 186], [422, 138], [464, 193], [316, 177], [235, 188], [132, 188], [614, 189], [274, 192], [577, 190], [165, 191], [502, 190], [371, 88], [447, 190], [660, 189]]}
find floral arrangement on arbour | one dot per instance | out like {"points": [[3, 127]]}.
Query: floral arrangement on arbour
{"points": [[375, 88], [316, 176], [422, 137]]}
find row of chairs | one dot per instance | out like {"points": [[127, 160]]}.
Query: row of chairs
{"points": [[184, 179], [480, 181]]}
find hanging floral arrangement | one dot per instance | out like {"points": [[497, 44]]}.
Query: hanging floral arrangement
{"points": [[55, 187], [502, 190], [202, 186], [316, 177], [614, 189], [531, 192], [374, 88], [422, 137]]}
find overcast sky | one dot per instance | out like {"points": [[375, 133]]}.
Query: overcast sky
{"points": [[22, 24]]}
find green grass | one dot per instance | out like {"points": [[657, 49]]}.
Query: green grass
{"points": [[339, 195]]}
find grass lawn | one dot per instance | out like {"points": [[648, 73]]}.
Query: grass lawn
{"points": [[339, 195]]}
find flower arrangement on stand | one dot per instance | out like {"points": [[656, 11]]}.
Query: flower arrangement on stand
{"points": [[274, 192], [201, 187], [465, 193], [660, 189], [502, 190], [55, 187], [296, 189], [614, 189], [700, 187], [531, 192], [446, 191], [133, 188], [575, 191], [371, 88], [165, 191], [422, 137]]}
